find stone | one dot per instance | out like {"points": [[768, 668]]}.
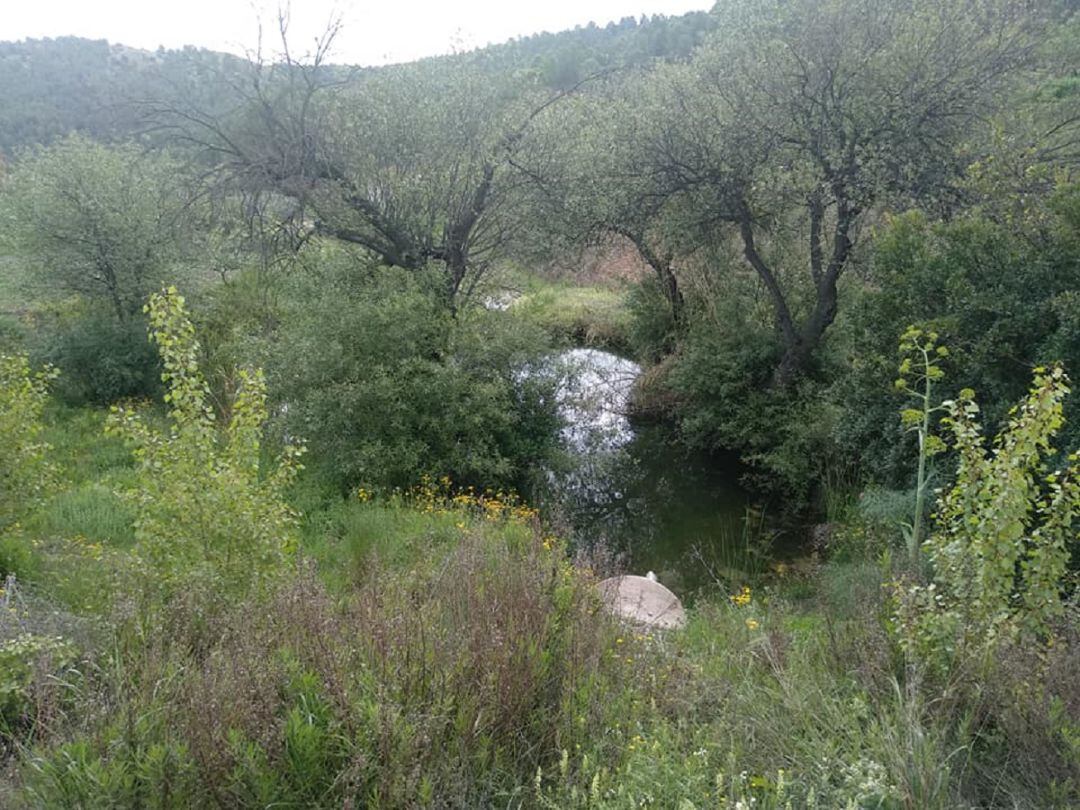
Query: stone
{"points": [[644, 601]]}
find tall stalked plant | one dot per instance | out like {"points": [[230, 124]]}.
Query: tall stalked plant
{"points": [[1001, 546], [205, 505], [920, 369]]}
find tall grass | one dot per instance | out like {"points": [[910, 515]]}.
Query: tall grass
{"points": [[91, 511]]}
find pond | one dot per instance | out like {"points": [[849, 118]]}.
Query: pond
{"points": [[633, 491]]}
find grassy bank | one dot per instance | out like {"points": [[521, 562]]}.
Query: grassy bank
{"points": [[439, 648], [582, 315]]}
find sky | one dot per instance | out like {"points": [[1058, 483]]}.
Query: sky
{"points": [[373, 31]]}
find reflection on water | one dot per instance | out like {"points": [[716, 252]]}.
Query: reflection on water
{"points": [[633, 489], [593, 392]]}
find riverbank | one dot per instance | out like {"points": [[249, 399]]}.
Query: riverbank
{"points": [[441, 648]]}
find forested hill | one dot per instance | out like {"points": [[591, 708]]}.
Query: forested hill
{"points": [[52, 87]]}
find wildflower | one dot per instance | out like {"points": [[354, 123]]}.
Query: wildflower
{"points": [[742, 598], [752, 624]]}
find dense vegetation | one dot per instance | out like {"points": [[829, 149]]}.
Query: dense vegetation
{"points": [[300, 549]]}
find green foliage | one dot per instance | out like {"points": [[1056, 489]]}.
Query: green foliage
{"points": [[920, 369], [21, 659], [26, 475], [321, 701], [102, 360], [93, 512], [388, 386], [52, 87], [99, 221], [652, 331], [1001, 296], [1004, 532], [204, 504], [726, 403], [589, 316]]}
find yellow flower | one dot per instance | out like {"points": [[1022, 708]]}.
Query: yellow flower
{"points": [[742, 598], [752, 624]]}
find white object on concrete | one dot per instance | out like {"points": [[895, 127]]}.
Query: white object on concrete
{"points": [[643, 600]]}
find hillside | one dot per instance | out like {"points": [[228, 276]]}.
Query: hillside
{"points": [[52, 87]]}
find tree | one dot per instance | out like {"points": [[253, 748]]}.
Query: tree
{"points": [[584, 168], [206, 501], [411, 162], [798, 119], [99, 221]]}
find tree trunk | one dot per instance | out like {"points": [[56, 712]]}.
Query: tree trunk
{"points": [[661, 265], [802, 341]]}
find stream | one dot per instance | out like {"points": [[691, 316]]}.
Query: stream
{"points": [[630, 490]]}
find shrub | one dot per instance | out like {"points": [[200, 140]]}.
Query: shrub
{"points": [[652, 330], [25, 659], [388, 386], [25, 473], [204, 504], [727, 403], [1001, 547], [101, 360], [1002, 296]]}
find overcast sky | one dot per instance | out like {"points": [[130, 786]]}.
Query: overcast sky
{"points": [[375, 31]]}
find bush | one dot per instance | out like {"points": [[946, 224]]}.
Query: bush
{"points": [[726, 402], [25, 473], [24, 660], [652, 332], [101, 360], [1002, 297], [1004, 535], [388, 386]]}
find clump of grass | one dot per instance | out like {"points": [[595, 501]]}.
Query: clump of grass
{"points": [[91, 511], [589, 316], [347, 536], [81, 448]]}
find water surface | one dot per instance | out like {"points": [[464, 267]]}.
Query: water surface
{"points": [[634, 491]]}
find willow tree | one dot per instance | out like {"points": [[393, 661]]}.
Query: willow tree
{"points": [[584, 169], [800, 118], [410, 162]]}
